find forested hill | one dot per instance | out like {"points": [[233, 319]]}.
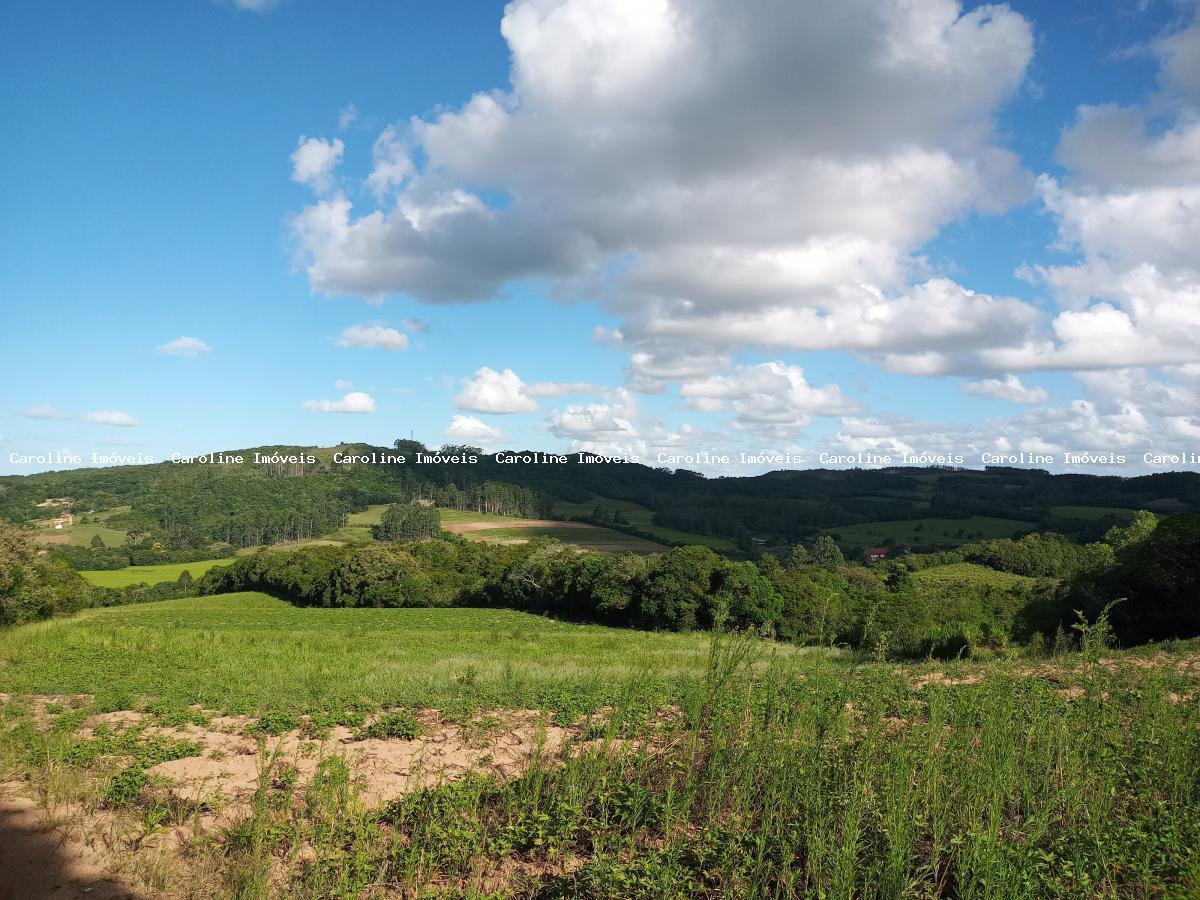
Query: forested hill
{"points": [[302, 492]]}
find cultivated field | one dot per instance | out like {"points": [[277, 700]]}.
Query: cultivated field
{"points": [[119, 578], [237, 746], [508, 529]]}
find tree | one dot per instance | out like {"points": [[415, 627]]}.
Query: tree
{"points": [[825, 553], [402, 522], [97, 542], [1137, 530]]}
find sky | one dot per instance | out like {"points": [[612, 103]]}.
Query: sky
{"points": [[648, 228]]}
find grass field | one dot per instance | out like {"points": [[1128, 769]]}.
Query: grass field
{"points": [[357, 529], [928, 532], [643, 519], [250, 653], [81, 535], [399, 753], [119, 578]]}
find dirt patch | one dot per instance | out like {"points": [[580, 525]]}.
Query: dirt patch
{"points": [[45, 709], [941, 678], [121, 720], [232, 764], [37, 861]]}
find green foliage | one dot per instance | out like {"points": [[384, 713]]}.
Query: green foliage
{"points": [[34, 587], [825, 552], [401, 723], [407, 523]]}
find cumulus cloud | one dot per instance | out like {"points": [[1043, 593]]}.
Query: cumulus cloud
{"points": [[188, 347], [347, 117], [490, 391], [770, 394], [45, 411], [343, 385], [660, 156], [1130, 207], [314, 160], [594, 424], [1007, 388], [111, 417], [469, 428], [371, 336], [353, 402]]}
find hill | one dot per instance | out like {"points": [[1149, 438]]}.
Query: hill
{"points": [[264, 495]]}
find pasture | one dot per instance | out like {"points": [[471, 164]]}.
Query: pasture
{"points": [[237, 746], [508, 529], [119, 578]]}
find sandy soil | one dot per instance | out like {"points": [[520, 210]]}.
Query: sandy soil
{"points": [[38, 861]]}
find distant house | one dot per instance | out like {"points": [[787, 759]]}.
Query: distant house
{"points": [[875, 554]]}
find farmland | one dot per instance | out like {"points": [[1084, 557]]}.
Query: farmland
{"points": [[508, 529], [238, 746], [118, 578], [643, 519], [81, 535]]}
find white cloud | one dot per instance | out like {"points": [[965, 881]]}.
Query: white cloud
{"points": [[343, 385], [45, 411], [373, 336], [470, 428], [347, 117], [189, 347], [1007, 388], [1130, 207], [490, 391], [392, 163], [595, 423], [314, 160], [771, 394], [353, 402], [258, 6], [660, 156], [111, 417]]}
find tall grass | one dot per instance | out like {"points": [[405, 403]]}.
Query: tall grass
{"points": [[762, 773]]}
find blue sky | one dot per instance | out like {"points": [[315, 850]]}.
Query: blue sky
{"points": [[175, 171]]}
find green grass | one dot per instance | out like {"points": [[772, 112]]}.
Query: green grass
{"points": [[372, 515], [945, 533], [644, 519], [119, 578], [466, 516], [252, 653], [773, 775], [81, 535]]}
